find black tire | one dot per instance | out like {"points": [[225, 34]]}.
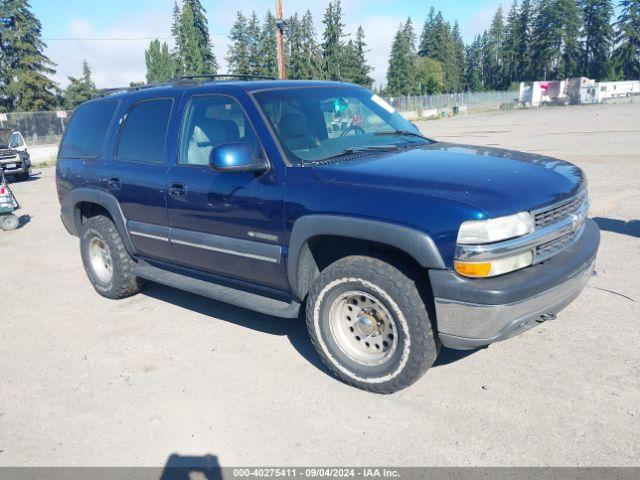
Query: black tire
{"points": [[417, 346], [122, 283]]}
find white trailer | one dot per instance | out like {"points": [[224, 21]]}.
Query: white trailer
{"points": [[607, 90]]}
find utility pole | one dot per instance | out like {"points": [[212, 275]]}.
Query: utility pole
{"points": [[280, 23]]}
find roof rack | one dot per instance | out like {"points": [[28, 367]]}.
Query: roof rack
{"points": [[109, 91], [226, 75], [103, 92]]}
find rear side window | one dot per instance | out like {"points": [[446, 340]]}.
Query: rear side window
{"points": [[144, 132], [86, 134]]}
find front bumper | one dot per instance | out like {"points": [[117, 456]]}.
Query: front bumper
{"points": [[20, 166], [473, 313]]}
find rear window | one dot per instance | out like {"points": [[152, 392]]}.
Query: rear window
{"points": [[86, 134], [144, 132]]}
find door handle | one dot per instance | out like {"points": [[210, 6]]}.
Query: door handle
{"points": [[114, 183], [177, 190]]}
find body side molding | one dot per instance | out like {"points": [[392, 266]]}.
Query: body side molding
{"points": [[415, 243]]}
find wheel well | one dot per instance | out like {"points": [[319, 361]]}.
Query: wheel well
{"points": [[321, 251], [86, 210]]}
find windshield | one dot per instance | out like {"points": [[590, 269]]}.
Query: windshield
{"points": [[4, 137], [316, 123]]}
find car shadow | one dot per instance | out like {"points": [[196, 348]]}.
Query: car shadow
{"points": [[32, 178], [23, 220], [179, 467], [631, 228], [294, 329], [448, 356]]}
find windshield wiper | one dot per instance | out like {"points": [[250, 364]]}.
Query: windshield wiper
{"points": [[404, 133], [368, 148]]}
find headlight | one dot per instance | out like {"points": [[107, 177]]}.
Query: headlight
{"points": [[481, 232], [477, 232]]}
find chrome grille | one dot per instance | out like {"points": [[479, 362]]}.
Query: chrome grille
{"points": [[549, 249], [551, 215]]}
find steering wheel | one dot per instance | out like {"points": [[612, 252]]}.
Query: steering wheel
{"points": [[357, 129]]}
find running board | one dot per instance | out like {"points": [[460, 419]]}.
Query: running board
{"points": [[240, 298]]}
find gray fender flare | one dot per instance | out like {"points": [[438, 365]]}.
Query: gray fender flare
{"points": [[105, 200], [415, 243]]}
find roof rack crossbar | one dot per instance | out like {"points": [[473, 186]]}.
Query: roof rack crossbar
{"points": [[226, 75]]}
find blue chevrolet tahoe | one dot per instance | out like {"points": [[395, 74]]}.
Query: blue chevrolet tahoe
{"points": [[274, 195]]}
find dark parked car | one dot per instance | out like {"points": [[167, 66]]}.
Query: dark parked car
{"points": [[14, 154], [271, 195]]}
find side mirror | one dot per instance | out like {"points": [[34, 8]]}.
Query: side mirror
{"points": [[235, 157]]}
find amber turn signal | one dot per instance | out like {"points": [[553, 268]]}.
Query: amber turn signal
{"points": [[469, 269]]}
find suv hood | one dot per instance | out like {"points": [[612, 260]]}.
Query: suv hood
{"points": [[500, 182]]}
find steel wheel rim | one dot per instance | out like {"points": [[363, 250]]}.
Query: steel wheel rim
{"points": [[100, 259], [363, 328]]}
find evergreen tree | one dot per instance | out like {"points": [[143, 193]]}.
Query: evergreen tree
{"points": [[311, 52], [349, 63], [511, 47], [571, 21], [160, 66], [401, 76], [253, 47], [428, 45], [333, 44], [556, 47], [525, 20], [296, 63], [445, 48], [194, 41], [238, 54], [493, 52], [267, 47], [176, 51], [545, 41], [597, 37], [80, 89], [24, 68], [627, 53], [474, 65], [411, 35], [361, 69], [456, 68]]}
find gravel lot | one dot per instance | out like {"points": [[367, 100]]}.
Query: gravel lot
{"points": [[88, 381]]}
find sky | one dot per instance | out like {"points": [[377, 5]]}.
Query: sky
{"points": [[77, 30]]}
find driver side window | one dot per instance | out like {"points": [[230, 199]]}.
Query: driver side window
{"points": [[211, 121]]}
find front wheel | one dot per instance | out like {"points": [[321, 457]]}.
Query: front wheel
{"points": [[370, 325]]}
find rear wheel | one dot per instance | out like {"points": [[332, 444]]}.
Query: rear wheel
{"points": [[370, 325], [9, 222], [106, 260]]}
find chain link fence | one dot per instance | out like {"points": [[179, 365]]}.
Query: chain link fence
{"points": [[37, 128], [46, 128], [454, 103]]}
